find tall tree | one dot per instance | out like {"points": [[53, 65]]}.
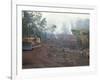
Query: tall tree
{"points": [[52, 28], [32, 23]]}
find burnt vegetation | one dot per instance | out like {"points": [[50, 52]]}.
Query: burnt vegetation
{"points": [[42, 48]]}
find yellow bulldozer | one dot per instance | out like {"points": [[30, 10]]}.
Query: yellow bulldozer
{"points": [[28, 43]]}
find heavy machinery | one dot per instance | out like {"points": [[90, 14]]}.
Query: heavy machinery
{"points": [[28, 43]]}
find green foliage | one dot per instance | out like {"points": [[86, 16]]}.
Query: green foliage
{"points": [[76, 32], [81, 31], [33, 24], [82, 36]]}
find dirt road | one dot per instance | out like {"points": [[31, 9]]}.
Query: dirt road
{"points": [[50, 56]]}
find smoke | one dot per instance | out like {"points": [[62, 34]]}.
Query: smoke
{"points": [[63, 20]]}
